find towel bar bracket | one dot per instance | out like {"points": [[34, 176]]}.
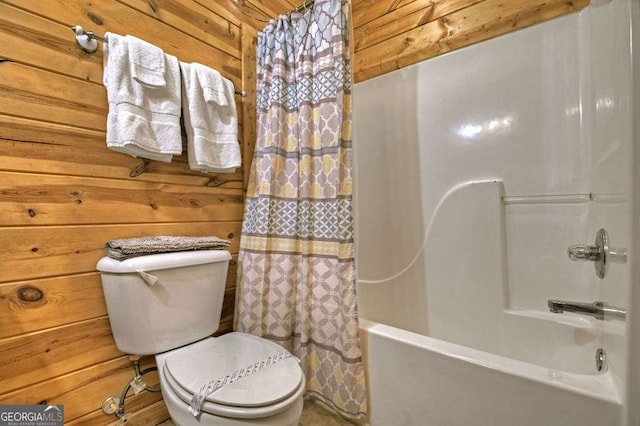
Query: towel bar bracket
{"points": [[87, 40], [140, 168]]}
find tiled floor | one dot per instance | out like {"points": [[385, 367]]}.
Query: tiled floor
{"points": [[312, 415]]}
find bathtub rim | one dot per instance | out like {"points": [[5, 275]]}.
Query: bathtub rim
{"points": [[599, 386]]}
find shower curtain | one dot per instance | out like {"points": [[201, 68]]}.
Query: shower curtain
{"points": [[296, 278]]}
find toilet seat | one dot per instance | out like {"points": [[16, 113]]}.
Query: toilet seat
{"points": [[264, 393]]}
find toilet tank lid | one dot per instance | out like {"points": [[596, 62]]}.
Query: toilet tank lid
{"points": [[155, 262]]}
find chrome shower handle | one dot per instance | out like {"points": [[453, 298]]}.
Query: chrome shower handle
{"points": [[584, 252], [600, 253]]}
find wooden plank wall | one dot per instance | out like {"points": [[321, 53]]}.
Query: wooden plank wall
{"points": [[63, 194], [391, 34]]}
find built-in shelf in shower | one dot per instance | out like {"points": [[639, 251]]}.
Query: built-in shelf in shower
{"points": [[565, 198]]}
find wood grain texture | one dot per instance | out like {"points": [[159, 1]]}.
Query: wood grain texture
{"points": [[47, 96], [273, 7], [263, 10], [104, 16], [365, 11], [39, 252], [64, 300], [63, 194], [83, 391], [402, 18], [200, 22], [33, 40], [144, 412], [35, 146], [249, 44], [228, 9], [228, 307], [26, 359], [39, 199], [453, 25]]}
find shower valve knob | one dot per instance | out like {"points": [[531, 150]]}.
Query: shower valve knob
{"points": [[600, 253], [584, 252]]}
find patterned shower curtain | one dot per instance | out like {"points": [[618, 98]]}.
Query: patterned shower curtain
{"points": [[296, 283]]}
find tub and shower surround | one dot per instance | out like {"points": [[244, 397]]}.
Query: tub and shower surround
{"points": [[507, 153]]}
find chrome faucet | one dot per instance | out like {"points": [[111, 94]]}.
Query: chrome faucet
{"points": [[598, 310]]}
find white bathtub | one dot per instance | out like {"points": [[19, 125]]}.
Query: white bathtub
{"points": [[472, 359], [416, 380]]}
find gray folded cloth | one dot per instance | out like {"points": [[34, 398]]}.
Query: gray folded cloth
{"points": [[133, 247]]}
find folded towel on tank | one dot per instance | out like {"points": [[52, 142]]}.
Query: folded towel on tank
{"points": [[134, 247]]}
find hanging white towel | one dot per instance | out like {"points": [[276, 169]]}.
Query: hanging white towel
{"points": [[146, 61], [211, 83], [210, 119], [143, 120]]}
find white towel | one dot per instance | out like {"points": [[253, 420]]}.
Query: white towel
{"points": [[212, 84], [210, 120], [143, 121], [146, 61]]}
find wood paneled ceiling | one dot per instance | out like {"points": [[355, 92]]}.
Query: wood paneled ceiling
{"points": [[391, 34]]}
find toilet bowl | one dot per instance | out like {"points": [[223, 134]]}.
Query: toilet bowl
{"points": [[272, 396], [168, 305]]}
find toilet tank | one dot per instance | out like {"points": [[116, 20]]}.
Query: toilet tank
{"points": [[163, 301]]}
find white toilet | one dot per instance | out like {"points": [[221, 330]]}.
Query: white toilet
{"points": [[168, 305]]}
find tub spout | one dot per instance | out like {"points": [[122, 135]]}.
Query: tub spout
{"points": [[598, 310]]}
